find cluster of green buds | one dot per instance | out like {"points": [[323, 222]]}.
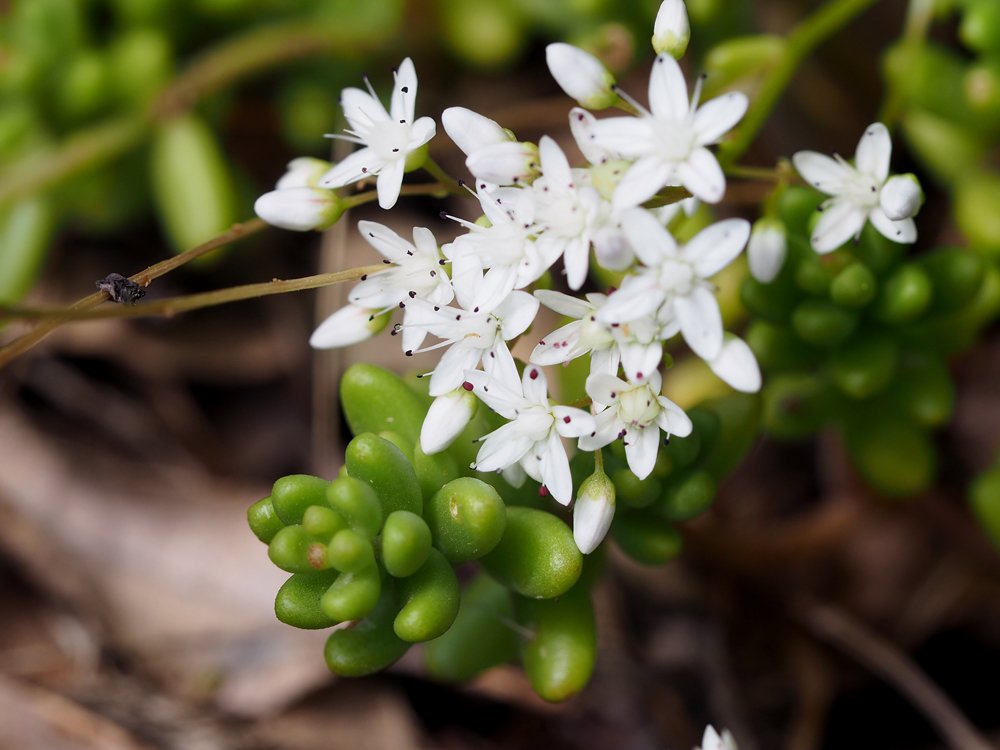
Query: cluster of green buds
{"points": [[859, 338]]}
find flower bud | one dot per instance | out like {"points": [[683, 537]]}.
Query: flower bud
{"points": [[766, 249], [506, 163], [736, 365], [901, 197], [671, 30], [472, 131], [581, 75], [445, 420], [299, 208], [305, 171], [349, 325], [593, 511]]}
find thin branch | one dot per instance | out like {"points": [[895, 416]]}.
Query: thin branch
{"points": [[879, 655]]}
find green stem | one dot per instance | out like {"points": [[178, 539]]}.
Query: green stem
{"points": [[436, 171], [420, 188], [25, 342], [800, 42], [919, 15], [233, 60]]}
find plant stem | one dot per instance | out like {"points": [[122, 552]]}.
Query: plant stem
{"points": [[234, 59], [23, 343], [919, 15], [436, 171], [174, 305], [800, 42]]}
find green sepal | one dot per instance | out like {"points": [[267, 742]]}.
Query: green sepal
{"points": [[429, 598], [466, 518], [384, 467], [537, 556], [406, 543], [263, 521], [481, 636], [291, 495], [368, 646], [297, 601], [559, 656]]}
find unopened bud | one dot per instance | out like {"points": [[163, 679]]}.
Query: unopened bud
{"points": [[901, 197], [299, 208], [507, 163], [671, 30], [351, 324], [581, 75], [593, 511], [766, 249], [445, 420], [305, 171], [472, 131]]}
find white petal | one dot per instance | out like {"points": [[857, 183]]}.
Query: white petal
{"points": [[497, 285], [700, 321], [717, 245], [640, 360], [874, 152], [390, 180], [376, 292], [904, 230], [612, 248], [387, 242], [901, 197], [534, 385], [672, 419], [361, 108], [555, 471], [823, 173], [572, 422], [638, 296], [422, 131], [605, 361], [503, 447], [450, 371], [605, 389], [470, 130], [737, 366], [516, 313], [840, 221], [641, 182], [581, 75], [446, 418], [581, 125], [356, 166], [766, 249], [649, 240], [608, 426], [628, 136], [349, 325], [404, 91], [641, 446], [504, 163], [701, 174], [564, 304], [559, 346], [555, 167], [303, 171], [576, 261], [717, 117], [499, 363], [496, 392], [668, 94]]}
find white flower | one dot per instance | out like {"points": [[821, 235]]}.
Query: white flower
{"points": [[351, 324], [296, 202], [472, 131], [585, 335], [581, 75], [387, 137], [677, 276], [570, 214], [593, 511], [532, 436], [635, 412], [493, 155], [640, 341], [712, 741], [856, 193], [447, 417], [669, 141], [766, 249], [671, 30], [474, 333]]}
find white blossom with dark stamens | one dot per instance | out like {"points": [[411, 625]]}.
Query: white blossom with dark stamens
{"points": [[387, 137]]}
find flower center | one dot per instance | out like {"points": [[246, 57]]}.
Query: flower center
{"points": [[638, 407], [677, 277], [675, 140]]}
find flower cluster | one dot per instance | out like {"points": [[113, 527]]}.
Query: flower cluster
{"points": [[472, 297]]}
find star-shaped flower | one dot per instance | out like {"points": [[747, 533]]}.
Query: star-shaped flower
{"points": [[388, 137], [532, 436], [668, 142], [634, 412], [860, 192]]}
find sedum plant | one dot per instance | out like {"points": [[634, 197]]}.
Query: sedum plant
{"points": [[449, 524]]}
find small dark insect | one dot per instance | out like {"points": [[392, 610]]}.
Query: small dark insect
{"points": [[121, 289]]}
